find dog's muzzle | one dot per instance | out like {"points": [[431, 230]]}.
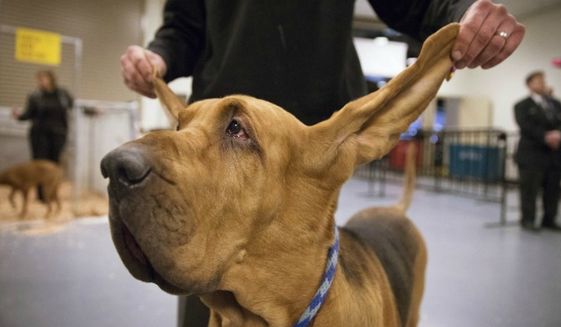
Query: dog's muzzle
{"points": [[126, 167]]}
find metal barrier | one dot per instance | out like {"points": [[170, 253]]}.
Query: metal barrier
{"points": [[14, 147], [511, 170], [99, 127], [477, 163]]}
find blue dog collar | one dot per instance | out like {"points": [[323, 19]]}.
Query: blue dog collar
{"points": [[321, 294]]}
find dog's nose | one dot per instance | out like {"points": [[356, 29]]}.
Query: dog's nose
{"points": [[126, 166]]}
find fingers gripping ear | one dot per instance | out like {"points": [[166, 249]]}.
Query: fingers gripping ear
{"points": [[372, 124], [168, 99]]}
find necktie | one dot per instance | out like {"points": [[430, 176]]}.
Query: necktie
{"points": [[548, 108]]}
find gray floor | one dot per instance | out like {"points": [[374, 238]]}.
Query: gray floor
{"points": [[477, 276]]}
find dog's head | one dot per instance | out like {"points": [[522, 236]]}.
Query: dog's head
{"points": [[240, 175]]}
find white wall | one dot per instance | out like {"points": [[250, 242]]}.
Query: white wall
{"points": [[152, 19], [504, 85]]}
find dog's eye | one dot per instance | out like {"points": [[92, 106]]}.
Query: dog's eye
{"points": [[236, 130]]}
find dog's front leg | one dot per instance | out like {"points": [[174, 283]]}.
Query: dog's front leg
{"points": [[12, 198], [25, 194], [49, 210]]}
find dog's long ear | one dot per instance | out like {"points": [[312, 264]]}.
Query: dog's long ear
{"points": [[169, 100], [369, 127]]}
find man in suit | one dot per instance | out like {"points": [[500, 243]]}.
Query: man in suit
{"points": [[539, 153]]}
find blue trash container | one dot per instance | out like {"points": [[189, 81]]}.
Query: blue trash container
{"points": [[477, 162]]}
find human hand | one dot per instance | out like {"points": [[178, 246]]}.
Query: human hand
{"points": [[136, 69], [488, 35], [553, 139], [16, 113]]}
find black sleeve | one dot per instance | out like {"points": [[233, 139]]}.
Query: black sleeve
{"points": [[527, 127], [30, 111], [180, 40], [65, 99], [419, 18], [70, 99]]}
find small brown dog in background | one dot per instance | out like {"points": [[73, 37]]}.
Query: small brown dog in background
{"points": [[28, 175]]}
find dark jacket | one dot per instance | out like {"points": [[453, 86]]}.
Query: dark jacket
{"points": [[532, 152], [48, 110], [297, 54]]}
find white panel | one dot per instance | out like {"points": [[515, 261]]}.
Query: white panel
{"points": [[153, 115], [380, 57], [475, 112], [364, 9]]}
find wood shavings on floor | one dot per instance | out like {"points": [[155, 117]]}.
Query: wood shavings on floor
{"points": [[86, 204]]}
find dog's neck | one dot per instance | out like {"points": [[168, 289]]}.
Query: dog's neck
{"points": [[280, 272], [277, 296], [269, 290], [283, 267]]}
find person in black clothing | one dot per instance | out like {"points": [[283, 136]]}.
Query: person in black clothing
{"points": [[47, 109], [539, 153], [299, 54]]}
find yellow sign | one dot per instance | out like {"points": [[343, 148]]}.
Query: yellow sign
{"points": [[38, 47]]}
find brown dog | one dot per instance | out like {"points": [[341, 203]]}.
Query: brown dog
{"points": [[23, 177], [237, 206]]}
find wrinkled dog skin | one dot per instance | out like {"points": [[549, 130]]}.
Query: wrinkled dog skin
{"points": [[237, 204]]}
